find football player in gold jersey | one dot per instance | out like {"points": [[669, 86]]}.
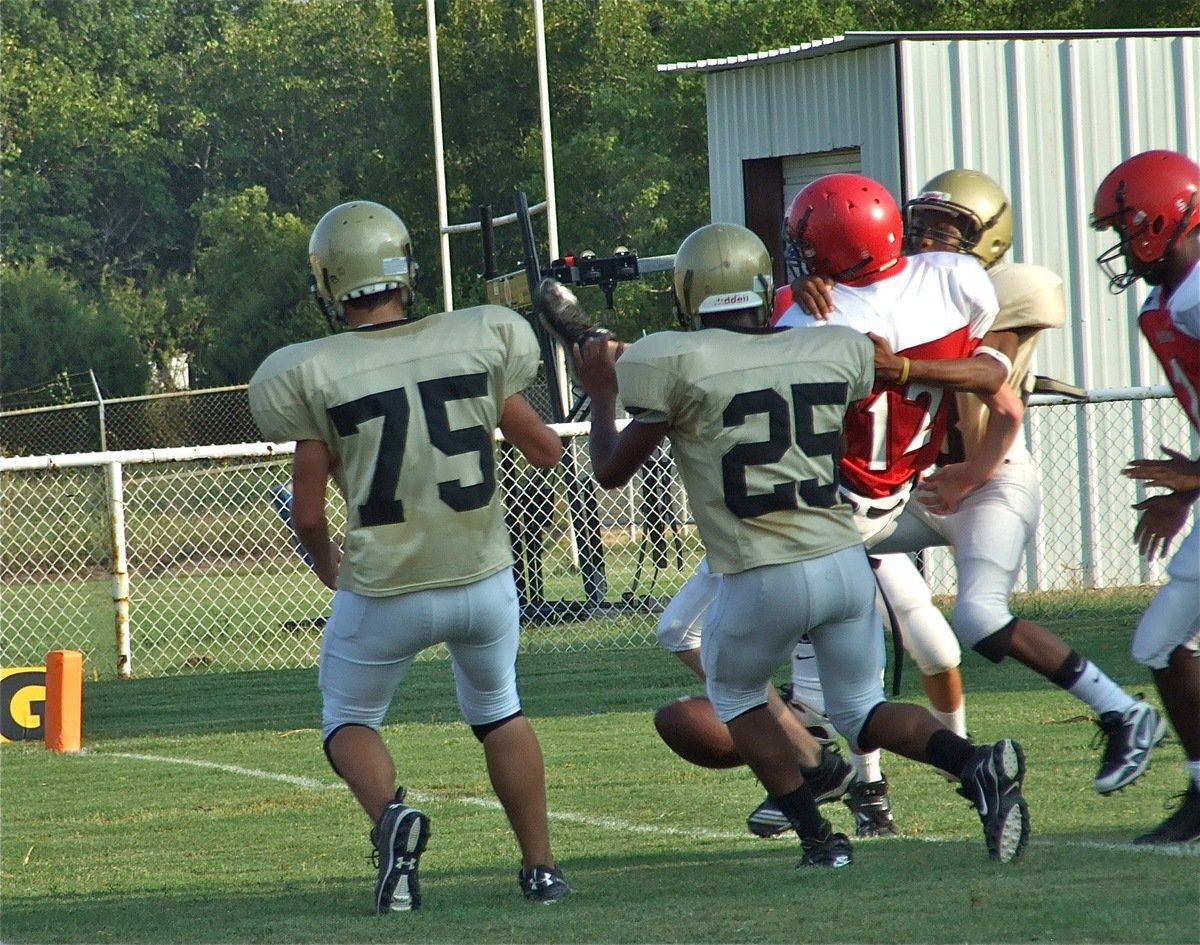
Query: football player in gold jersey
{"points": [[401, 414], [754, 416]]}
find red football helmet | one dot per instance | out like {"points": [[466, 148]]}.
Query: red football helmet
{"points": [[844, 226], [1152, 200]]}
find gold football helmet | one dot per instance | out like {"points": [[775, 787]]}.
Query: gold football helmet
{"points": [[722, 267], [979, 208], [359, 248]]}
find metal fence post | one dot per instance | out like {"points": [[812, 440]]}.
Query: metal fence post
{"points": [[100, 411], [120, 567]]}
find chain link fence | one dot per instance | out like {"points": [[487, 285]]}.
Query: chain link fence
{"points": [[154, 421], [211, 580]]}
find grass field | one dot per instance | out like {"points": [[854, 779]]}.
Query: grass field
{"points": [[202, 810]]}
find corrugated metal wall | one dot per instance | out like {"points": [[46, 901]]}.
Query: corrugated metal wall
{"points": [[801, 106], [1047, 117]]}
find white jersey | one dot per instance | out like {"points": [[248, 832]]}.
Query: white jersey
{"points": [[408, 411], [932, 305]]}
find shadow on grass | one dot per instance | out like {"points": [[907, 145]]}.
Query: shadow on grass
{"points": [[594, 682], [552, 684], [721, 894]]}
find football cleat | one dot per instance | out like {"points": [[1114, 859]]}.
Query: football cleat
{"points": [[562, 315], [767, 820], [399, 840], [828, 781], [831, 850], [1130, 737], [991, 780], [817, 723], [544, 884], [868, 801], [830, 778], [1183, 826]]}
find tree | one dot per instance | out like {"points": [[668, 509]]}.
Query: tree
{"points": [[156, 154], [253, 275], [50, 328]]}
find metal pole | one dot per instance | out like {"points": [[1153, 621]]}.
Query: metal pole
{"points": [[120, 568], [539, 33], [100, 406], [435, 92]]}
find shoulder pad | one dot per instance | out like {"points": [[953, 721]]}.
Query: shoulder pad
{"points": [[1030, 297]]}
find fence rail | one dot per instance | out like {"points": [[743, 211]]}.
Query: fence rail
{"points": [[167, 561]]}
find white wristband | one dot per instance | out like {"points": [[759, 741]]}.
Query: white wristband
{"points": [[998, 355]]}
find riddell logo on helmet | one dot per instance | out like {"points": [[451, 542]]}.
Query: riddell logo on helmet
{"points": [[736, 298]]}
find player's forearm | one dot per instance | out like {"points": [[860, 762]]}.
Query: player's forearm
{"points": [[602, 441], [322, 550], [979, 374], [1005, 412]]}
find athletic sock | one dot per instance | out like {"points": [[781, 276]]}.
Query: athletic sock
{"points": [[948, 752], [1095, 688], [956, 721], [800, 808], [866, 767]]}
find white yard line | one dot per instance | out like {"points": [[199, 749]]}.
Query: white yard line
{"points": [[615, 824]]}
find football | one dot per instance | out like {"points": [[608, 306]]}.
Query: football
{"points": [[692, 730]]}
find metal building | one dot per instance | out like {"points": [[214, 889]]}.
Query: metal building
{"points": [[1047, 115]]}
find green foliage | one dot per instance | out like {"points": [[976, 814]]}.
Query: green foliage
{"points": [[51, 327], [163, 313], [125, 122], [253, 274]]}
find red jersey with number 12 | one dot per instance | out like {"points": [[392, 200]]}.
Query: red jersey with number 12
{"points": [[934, 306]]}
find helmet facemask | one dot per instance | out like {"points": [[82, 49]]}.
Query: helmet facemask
{"points": [[976, 206], [1139, 247], [1151, 202], [926, 223]]}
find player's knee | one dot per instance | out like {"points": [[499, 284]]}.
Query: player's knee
{"points": [[851, 721], [995, 646], [1162, 628], [936, 662], [854, 723], [483, 731], [327, 743], [1152, 650], [682, 620], [928, 639], [675, 634], [978, 616]]}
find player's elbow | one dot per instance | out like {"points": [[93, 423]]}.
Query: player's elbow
{"points": [[1005, 403], [545, 452], [611, 478], [990, 375], [306, 520]]}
